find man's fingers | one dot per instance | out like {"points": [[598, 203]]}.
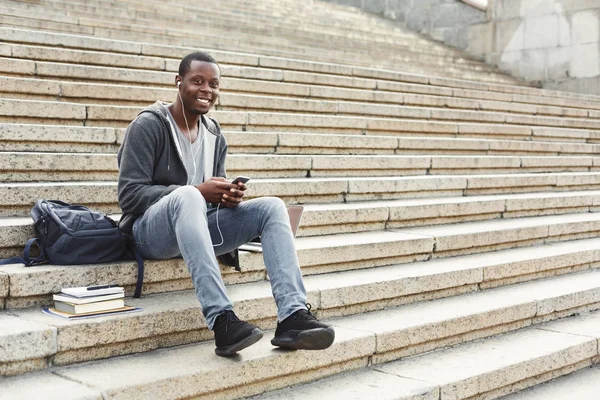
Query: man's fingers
{"points": [[231, 200], [236, 193], [225, 185]]}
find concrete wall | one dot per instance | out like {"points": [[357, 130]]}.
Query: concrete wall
{"points": [[553, 42]]}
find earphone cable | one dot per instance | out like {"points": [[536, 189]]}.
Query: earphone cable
{"points": [[194, 162], [190, 137]]}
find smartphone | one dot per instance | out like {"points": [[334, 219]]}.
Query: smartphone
{"points": [[242, 179]]}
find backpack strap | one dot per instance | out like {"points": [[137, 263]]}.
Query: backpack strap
{"points": [[140, 274], [231, 259], [140, 278], [26, 259]]}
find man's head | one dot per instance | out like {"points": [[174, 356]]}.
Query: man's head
{"points": [[198, 82]]}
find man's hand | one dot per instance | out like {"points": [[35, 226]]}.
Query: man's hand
{"points": [[221, 191]]}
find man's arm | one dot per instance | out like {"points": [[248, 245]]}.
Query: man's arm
{"points": [[137, 158]]}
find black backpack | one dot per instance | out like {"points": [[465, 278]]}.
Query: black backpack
{"points": [[72, 234]]}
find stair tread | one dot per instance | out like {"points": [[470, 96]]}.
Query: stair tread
{"points": [[582, 384], [466, 363], [180, 311], [530, 349]]}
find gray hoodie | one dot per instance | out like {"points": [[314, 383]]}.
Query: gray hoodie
{"points": [[150, 162]]}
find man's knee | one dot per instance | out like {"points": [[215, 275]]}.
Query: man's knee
{"points": [[273, 204], [272, 207], [187, 198]]}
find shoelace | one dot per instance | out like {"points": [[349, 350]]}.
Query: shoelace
{"points": [[230, 317], [304, 314]]}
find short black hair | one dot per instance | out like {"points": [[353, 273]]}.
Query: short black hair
{"points": [[185, 64]]}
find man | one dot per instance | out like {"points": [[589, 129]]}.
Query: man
{"points": [[177, 202]]}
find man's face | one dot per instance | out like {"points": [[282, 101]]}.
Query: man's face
{"points": [[199, 89]]}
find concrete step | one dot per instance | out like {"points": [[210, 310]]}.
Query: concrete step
{"points": [[411, 106], [337, 100], [251, 11], [267, 32], [477, 237], [333, 218], [32, 37], [480, 112], [223, 17], [361, 384], [405, 117], [317, 255], [176, 317], [40, 61], [71, 139], [410, 64], [402, 54], [489, 369], [512, 127], [122, 12], [248, 67], [28, 166], [317, 48], [400, 332], [16, 199], [59, 138], [582, 384]]}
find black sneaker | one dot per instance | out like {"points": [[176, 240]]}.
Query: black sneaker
{"points": [[233, 335], [302, 331]]}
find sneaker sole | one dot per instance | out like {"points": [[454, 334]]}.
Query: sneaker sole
{"points": [[313, 339], [226, 351]]}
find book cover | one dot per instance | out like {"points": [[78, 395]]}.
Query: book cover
{"points": [[89, 307], [56, 313], [84, 300], [90, 291]]}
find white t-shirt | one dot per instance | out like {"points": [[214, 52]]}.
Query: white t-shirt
{"points": [[192, 153]]}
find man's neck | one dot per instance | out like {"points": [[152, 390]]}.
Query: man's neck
{"points": [[189, 124]]}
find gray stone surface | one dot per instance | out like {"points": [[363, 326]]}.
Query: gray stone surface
{"points": [[358, 385], [487, 235], [4, 285], [415, 325], [253, 302], [46, 386], [178, 373], [22, 340], [578, 385], [497, 363], [69, 167]]}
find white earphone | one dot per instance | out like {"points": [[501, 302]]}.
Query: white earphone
{"points": [[194, 159]]}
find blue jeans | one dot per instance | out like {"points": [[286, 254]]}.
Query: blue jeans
{"points": [[181, 225]]}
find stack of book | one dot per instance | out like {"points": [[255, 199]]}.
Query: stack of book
{"points": [[88, 301]]}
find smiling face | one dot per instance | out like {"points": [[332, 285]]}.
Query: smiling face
{"points": [[199, 88]]}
